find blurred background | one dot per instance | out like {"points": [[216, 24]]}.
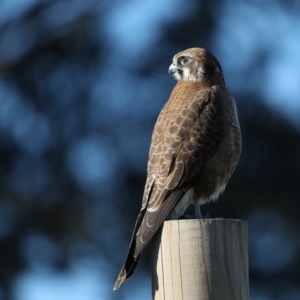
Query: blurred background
{"points": [[81, 86]]}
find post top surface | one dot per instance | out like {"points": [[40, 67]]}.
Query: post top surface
{"points": [[208, 220]]}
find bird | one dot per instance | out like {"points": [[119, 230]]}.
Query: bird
{"points": [[195, 147]]}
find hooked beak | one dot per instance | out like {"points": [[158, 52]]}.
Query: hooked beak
{"points": [[172, 69]]}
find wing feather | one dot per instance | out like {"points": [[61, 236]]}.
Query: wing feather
{"points": [[186, 135], [189, 138]]}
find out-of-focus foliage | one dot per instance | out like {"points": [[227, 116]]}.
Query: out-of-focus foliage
{"points": [[81, 85]]}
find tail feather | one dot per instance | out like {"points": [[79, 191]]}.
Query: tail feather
{"points": [[126, 273], [146, 226], [131, 259]]}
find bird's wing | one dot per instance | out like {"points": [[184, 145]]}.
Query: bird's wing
{"points": [[186, 135], [184, 139]]}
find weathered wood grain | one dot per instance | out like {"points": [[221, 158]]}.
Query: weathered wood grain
{"points": [[203, 259]]}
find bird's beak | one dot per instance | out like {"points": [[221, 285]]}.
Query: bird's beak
{"points": [[172, 69]]}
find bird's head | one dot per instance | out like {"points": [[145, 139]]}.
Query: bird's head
{"points": [[196, 64]]}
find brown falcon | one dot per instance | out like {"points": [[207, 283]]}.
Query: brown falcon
{"points": [[196, 144]]}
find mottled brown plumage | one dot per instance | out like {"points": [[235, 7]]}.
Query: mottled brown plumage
{"points": [[195, 147]]}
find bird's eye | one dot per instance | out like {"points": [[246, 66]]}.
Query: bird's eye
{"points": [[184, 60]]}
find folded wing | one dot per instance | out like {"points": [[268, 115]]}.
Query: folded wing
{"points": [[186, 135]]}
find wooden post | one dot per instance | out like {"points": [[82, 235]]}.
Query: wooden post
{"points": [[204, 259]]}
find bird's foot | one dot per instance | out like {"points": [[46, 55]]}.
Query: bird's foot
{"points": [[186, 217], [197, 211], [208, 216]]}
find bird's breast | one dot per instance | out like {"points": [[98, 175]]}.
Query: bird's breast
{"points": [[212, 180]]}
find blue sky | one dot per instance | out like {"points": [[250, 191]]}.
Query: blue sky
{"points": [[245, 29]]}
